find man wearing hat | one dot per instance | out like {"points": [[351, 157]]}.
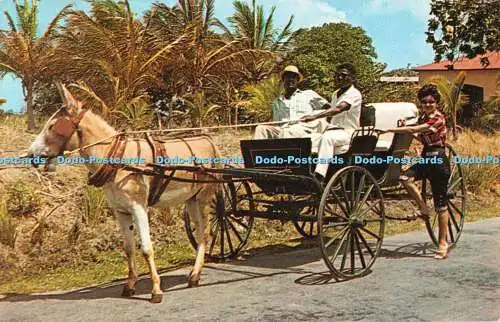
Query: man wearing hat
{"points": [[293, 105], [345, 113]]}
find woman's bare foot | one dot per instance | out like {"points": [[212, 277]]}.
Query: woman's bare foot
{"points": [[442, 252]]}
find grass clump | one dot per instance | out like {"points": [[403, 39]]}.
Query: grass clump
{"points": [[8, 227], [21, 200], [94, 206]]}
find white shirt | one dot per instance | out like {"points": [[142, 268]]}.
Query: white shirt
{"points": [[301, 103], [348, 120]]}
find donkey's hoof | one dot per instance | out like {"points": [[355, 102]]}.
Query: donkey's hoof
{"points": [[127, 291], [193, 282], [156, 298]]}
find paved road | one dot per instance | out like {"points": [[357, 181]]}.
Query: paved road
{"points": [[406, 284]]}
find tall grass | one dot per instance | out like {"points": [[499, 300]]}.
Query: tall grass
{"points": [[8, 227], [94, 206], [479, 177], [22, 199]]}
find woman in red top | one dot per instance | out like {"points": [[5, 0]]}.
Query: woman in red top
{"points": [[431, 130]]}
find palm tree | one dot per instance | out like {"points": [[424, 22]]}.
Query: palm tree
{"points": [[25, 55], [452, 98], [114, 57], [262, 96], [258, 32], [212, 64]]}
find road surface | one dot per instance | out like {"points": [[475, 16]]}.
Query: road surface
{"points": [[406, 284]]}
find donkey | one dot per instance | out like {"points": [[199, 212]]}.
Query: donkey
{"points": [[127, 191]]}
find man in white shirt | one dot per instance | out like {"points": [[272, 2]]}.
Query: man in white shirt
{"points": [[293, 105], [345, 113]]}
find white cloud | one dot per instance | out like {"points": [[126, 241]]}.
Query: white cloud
{"points": [[307, 13], [419, 8]]}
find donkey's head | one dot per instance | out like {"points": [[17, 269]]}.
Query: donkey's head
{"points": [[60, 133]]}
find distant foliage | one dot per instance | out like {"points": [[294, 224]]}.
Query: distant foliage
{"points": [[260, 98], [469, 27], [318, 51]]}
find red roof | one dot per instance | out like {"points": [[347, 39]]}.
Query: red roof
{"points": [[464, 63]]}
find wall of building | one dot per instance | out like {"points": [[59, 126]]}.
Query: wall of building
{"points": [[482, 78]]}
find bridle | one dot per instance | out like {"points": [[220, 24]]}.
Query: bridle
{"points": [[65, 128]]}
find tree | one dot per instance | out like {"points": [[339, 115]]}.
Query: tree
{"points": [[114, 57], [25, 55], [469, 27], [452, 98], [262, 95], [318, 50], [258, 32], [2, 101]]}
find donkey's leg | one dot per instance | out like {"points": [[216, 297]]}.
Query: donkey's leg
{"points": [[141, 220], [194, 210], [127, 229]]}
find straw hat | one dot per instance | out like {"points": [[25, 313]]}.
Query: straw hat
{"points": [[292, 69]]}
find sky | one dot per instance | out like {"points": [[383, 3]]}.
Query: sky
{"points": [[396, 27]]}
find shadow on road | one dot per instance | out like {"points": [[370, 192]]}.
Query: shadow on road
{"points": [[270, 261], [107, 290]]}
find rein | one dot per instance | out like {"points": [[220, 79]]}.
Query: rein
{"points": [[172, 130]]}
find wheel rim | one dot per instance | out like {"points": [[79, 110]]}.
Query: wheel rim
{"points": [[308, 229], [229, 232], [456, 206], [351, 217]]}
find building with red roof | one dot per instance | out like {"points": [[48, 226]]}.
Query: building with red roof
{"points": [[481, 80]]}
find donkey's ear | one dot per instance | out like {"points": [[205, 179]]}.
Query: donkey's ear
{"points": [[70, 103]]}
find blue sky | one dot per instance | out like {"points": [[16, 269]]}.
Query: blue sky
{"points": [[396, 26]]}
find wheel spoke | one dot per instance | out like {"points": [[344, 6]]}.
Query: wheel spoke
{"points": [[344, 234], [370, 233], [450, 232], [344, 190], [365, 197], [344, 210], [453, 220], [235, 230], [344, 255], [360, 188], [229, 241], [240, 221], [450, 189], [363, 240], [360, 252], [330, 242], [221, 239], [351, 246], [214, 239], [456, 209], [373, 205]]}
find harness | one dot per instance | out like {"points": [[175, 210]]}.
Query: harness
{"points": [[106, 172]]}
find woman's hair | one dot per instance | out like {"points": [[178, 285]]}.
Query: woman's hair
{"points": [[429, 89]]}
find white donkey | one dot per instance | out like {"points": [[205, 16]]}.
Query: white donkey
{"points": [[127, 192]]}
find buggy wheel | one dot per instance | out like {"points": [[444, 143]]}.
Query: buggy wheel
{"points": [[457, 195], [308, 229], [351, 220], [229, 229]]}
